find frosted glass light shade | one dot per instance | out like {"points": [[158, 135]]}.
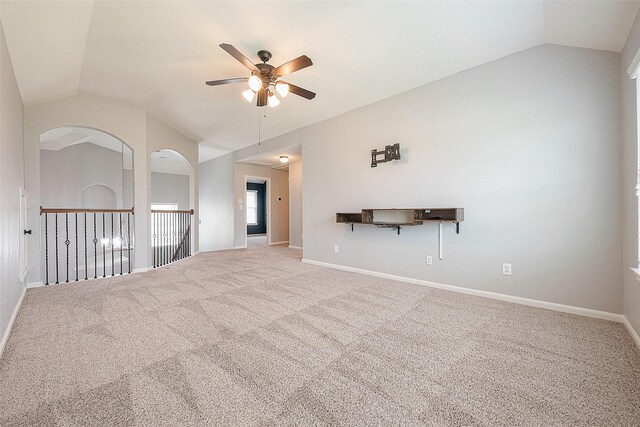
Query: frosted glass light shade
{"points": [[255, 83], [282, 88], [249, 95], [273, 101]]}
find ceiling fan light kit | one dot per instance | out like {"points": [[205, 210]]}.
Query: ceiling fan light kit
{"points": [[264, 80]]}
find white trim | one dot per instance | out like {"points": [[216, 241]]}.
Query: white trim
{"points": [[636, 271], [267, 197], [35, 284], [139, 270], [634, 66], [7, 331], [279, 243], [632, 331], [295, 247], [486, 294]]}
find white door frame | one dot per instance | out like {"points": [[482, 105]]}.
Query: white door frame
{"points": [[267, 207]]}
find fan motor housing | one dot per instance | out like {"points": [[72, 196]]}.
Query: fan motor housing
{"points": [[264, 55]]}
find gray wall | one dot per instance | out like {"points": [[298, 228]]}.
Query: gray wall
{"points": [[295, 203], [216, 203], [170, 188], [529, 145], [279, 222], [64, 173], [629, 170], [11, 180]]}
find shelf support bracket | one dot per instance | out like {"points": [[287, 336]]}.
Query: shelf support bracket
{"points": [[457, 228], [352, 227]]}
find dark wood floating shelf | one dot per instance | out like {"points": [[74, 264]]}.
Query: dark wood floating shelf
{"points": [[397, 218], [405, 217]]}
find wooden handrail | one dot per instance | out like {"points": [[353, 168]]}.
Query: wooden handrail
{"points": [[190, 211], [82, 210]]}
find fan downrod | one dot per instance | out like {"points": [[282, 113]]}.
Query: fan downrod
{"points": [[264, 55]]}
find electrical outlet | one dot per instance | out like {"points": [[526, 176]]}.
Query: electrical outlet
{"points": [[506, 269], [429, 260], [336, 249]]}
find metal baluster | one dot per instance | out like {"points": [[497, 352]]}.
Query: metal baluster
{"points": [[86, 271], [129, 242], [120, 221], [95, 247], [104, 249], [57, 281], [76, 245], [164, 247], [175, 234], [46, 248], [66, 241], [155, 244], [112, 264]]}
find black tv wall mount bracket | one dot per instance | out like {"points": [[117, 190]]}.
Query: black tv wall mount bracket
{"points": [[390, 152]]}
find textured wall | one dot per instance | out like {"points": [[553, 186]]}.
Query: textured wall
{"points": [[295, 203], [630, 176], [64, 173], [216, 203], [170, 188], [11, 180], [529, 145]]}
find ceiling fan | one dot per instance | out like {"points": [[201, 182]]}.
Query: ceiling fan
{"points": [[264, 77]]}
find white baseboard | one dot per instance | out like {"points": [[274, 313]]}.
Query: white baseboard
{"points": [[632, 331], [295, 247], [240, 247], [142, 270], [486, 294], [35, 284], [279, 243], [7, 331]]}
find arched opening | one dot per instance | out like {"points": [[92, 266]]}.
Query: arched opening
{"points": [[98, 196], [172, 203], [86, 194], [73, 158]]}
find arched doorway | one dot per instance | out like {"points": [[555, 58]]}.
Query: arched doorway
{"points": [[171, 202], [86, 198]]}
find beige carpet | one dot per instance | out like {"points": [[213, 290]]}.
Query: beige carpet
{"points": [[255, 337]]}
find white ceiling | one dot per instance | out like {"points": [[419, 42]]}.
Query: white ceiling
{"points": [[66, 136], [168, 161], [272, 158], [157, 55]]}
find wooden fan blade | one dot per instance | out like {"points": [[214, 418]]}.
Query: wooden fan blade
{"points": [[239, 56], [294, 65], [263, 97], [300, 91], [226, 81]]}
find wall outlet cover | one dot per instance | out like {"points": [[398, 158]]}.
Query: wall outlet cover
{"points": [[429, 260], [336, 249], [506, 269]]}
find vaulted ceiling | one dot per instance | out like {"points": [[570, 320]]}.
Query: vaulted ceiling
{"points": [[157, 55]]}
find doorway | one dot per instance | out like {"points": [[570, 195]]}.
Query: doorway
{"points": [[257, 211]]}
